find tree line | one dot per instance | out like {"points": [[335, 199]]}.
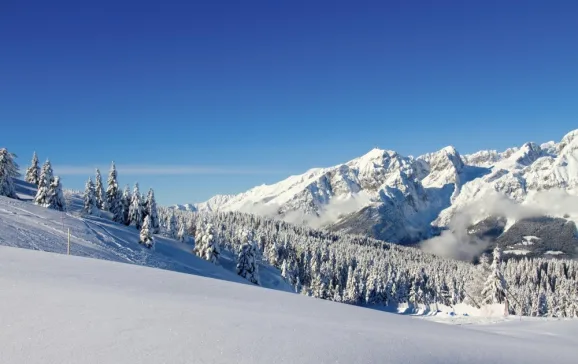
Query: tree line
{"points": [[363, 271]]}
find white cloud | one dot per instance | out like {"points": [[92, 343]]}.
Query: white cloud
{"points": [[162, 170], [456, 243]]}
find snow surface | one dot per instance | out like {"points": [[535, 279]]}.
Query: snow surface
{"points": [[65, 309]]}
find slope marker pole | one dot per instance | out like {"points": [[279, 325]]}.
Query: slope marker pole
{"points": [[68, 246]]}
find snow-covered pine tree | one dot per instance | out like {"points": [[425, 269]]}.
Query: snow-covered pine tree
{"points": [[199, 232], [212, 251], [125, 205], [8, 171], [135, 213], [89, 206], [99, 192], [475, 286], [33, 172], [146, 236], [45, 180], [172, 225], [351, 293], [114, 195], [272, 254], [495, 287], [55, 198], [182, 235], [247, 266], [151, 206], [205, 243]]}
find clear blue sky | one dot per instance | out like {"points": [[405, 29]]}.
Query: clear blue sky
{"points": [[240, 93]]}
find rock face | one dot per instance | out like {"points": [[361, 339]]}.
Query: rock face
{"points": [[405, 199]]}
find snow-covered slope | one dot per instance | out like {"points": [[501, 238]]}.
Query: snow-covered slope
{"points": [[404, 199], [63, 309], [24, 225]]}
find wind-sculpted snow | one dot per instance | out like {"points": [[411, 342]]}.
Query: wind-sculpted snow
{"points": [[403, 199], [62, 309]]}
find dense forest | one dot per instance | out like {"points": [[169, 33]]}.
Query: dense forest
{"points": [[364, 271]]}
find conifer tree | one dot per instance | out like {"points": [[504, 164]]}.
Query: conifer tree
{"points": [[172, 225], [205, 244], [272, 254], [212, 251], [55, 198], [247, 266], [146, 236], [114, 195], [135, 210], [99, 192], [8, 171], [495, 287], [33, 172], [181, 235], [125, 205], [351, 293], [151, 210], [89, 199], [475, 286], [45, 180]]}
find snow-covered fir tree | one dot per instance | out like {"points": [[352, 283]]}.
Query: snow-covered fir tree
{"points": [[135, 213], [33, 172], [146, 235], [247, 266], [495, 286], [45, 180], [182, 235], [99, 192], [206, 245], [151, 210], [171, 226], [125, 203], [8, 171], [89, 199], [272, 254], [352, 293], [475, 286], [114, 195], [55, 199]]}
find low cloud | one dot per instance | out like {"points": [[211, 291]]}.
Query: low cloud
{"points": [[337, 208], [456, 243], [163, 170]]}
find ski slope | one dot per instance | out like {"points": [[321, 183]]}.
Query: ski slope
{"points": [[65, 309], [25, 225]]}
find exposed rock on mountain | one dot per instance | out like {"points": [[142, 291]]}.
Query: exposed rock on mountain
{"points": [[405, 199]]}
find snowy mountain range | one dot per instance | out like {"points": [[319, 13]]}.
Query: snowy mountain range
{"points": [[405, 199]]}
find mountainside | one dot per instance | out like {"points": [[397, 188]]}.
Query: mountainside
{"points": [[405, 199], [25, 225]]}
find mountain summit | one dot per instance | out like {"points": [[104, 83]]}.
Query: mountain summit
{"points": [[405, 199]]}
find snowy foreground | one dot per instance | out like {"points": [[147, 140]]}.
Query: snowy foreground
{"points": [[64, 309]]}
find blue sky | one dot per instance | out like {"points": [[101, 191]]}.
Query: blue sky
{"points": [[239, 93]]}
